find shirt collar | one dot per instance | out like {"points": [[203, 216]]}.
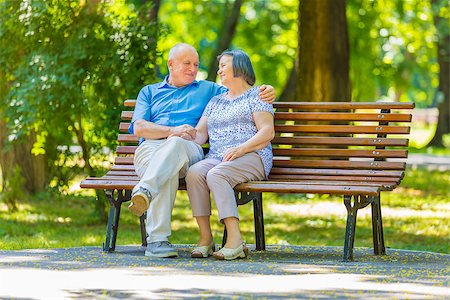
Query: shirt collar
{"points": [[165, 84]]}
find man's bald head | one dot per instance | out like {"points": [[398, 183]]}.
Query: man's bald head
{"points": [[183, 65], [180, 48]]}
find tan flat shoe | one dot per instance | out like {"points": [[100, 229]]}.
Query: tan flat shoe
{"points": [[203, 251], [232, 253]]}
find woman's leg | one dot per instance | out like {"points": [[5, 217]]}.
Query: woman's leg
{"points": [[198, 192], [222, 179], [204, 227]]}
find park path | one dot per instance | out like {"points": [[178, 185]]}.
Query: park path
{"points": [[292, 272], [433, 162]]}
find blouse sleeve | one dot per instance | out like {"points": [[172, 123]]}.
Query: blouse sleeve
{"points": [[256, 104]]}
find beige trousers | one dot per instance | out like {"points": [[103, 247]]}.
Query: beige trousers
{"points": [[220, 178], [159, 164]]}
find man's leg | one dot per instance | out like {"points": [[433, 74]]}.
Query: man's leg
{"points": [[166, 161], [159, 216], [161, 175], [157, 162]]}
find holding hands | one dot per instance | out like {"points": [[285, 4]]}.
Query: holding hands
{"points": [[185, 131]]}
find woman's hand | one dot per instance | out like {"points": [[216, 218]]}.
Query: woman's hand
{"points": [[233, 153]]}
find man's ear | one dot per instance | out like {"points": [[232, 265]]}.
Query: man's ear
{"points": [[169, 64]]}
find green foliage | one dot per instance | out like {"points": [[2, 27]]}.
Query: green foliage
{"points": [[12, 191], [67, 69], [267, 31], [272, 26], [393, 50]]}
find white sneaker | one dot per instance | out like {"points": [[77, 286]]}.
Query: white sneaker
{"points": [[161, 249]]}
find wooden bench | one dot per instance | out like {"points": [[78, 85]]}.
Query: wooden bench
{"points": [[352, 149]]}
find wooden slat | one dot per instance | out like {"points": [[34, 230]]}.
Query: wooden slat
{"points": [[108, 184], [127, 115], [123, 126], [339, 141], [129, 103], [341, 164], [132, 177], [312, 152], [116, 184], [380, 184], [124, 160], [127, 138], [337, 172], [293, 188], [126, 149], [342, 129], [121, 173], [344, 105], [290, 177], [327, 105], [126, 167], [340, 116]]}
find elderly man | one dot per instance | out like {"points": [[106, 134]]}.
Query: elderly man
{"points": [[164, 119]]}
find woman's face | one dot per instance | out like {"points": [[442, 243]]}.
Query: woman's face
{"points": [[226, 69]]}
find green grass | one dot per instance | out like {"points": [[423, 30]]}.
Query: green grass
{"points": [[415, 216]]}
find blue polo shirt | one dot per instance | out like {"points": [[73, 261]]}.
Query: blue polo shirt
{"points": [[164, 104]]}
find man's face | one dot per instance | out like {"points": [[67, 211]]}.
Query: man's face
{"points": [[183, 67]]}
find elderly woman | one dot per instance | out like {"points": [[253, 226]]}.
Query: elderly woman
{"points": [[239, 127]]}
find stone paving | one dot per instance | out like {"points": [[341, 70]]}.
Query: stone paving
{"points": [[281, 272]]}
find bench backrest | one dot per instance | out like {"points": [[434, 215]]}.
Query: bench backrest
{"points": [[361, 141]]}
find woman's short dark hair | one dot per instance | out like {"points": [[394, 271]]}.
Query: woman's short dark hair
{"points": [[242, 66]]}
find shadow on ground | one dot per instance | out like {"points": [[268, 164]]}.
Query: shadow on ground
{"points": [[280, 272]]}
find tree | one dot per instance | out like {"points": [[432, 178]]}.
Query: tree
{"points": [[441, 22], [392, 54], [225, 37], [323, 52], [68, 67]]}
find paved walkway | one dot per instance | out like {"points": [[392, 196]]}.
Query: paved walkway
{"points": [[432, 162], [294, 272]]}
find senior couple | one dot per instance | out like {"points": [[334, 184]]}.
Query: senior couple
{"points": [[174, 118]]}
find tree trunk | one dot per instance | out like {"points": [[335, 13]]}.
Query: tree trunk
{"points": [[151, 15], [100, 204], [323, 51], [225, 37], [289, 93], [443, 91], [33, 167]]}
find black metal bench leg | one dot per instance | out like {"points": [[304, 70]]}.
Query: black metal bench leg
{"points": [[350, 229], [142, 220], [113, 218], [377, 228], [259, 222], [113, 222]]}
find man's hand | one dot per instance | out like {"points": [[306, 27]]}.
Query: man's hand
{"points": [[185, 131], [267, 93], [233, 153]]}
